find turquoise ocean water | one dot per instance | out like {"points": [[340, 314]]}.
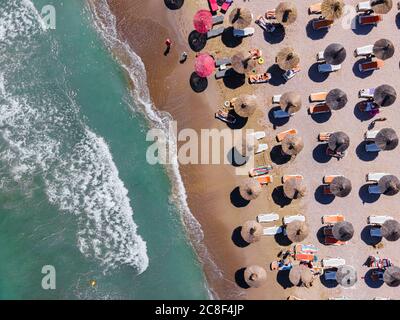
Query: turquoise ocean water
{"points": [[76, 191]]}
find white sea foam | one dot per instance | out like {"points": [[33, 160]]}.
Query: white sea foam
{"points": [[44, 136]]}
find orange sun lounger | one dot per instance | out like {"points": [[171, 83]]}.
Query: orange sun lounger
{"points": [[288, 177], [332, 219], [319, 108], [265, 179], [307, 257], [315, 8], [270, 14], [369, 19], [371, 65], [282, 135], [321, 24], [333, 242], [318, 96], [324, 136], [329, 179]]}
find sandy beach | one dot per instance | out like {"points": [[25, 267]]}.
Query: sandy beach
{"points": [[145, 26]]}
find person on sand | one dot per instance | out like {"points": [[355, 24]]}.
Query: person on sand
{"points": [[183, 58], [372, 124], [168, 43]]}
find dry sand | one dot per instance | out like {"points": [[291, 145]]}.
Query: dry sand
{"points": [[145, 25]]}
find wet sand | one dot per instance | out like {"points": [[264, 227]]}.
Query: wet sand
{"points": [[146, 25]]}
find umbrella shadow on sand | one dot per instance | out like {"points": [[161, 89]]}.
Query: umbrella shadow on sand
{"points": [[237, 200], [276, 122], [361, 29], [321, 197], [367, 197], [197, 83], [282, 240], [174, 4], [235, 158], [237, 238], [321, 117], [320, 235], [240, 280], [398, 20], [315, 34], [279, 197], [328, 283], [319, 153], [282, 277], [277, 156], [276, 36], [366, 237], [371, 283], [363, 155], [234, 80], [315, 75], [239, 123], [229, 40], [276, 75], [356, 69], [197, 41], [362, 115]]}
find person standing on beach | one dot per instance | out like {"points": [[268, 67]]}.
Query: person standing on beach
{"points": [[168, 43]]}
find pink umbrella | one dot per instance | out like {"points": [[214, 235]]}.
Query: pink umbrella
{"points": [[203, 21], [204, 65]]}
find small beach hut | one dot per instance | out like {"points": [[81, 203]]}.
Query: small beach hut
{"points": [[340, 186], [240, 18], [255, 276], [251, 231], [332, 9], [387, 139], [204, 65], [290, 102], [336, 99], [383, 49], [385, 95], [287, 58], [245, 105], [392, 276], [286, 13], [391, 230], [338, 141], [343, 231], [297, 231], [292, 145], [381, 6], [389, 185], [247, 145], [334, 54], [346, 276], [250, 189], [294, 188], [243, 62], [203, 21]]}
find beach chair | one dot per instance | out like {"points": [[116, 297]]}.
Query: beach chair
{"points": [[327, 68], [270, 14], [319, 24], [241, 33], [282, 135], [330, 275], [333, 262], [218, 19], [305, 248], [221, 74], [375, 232], [276, 98], [259, 78], [324, 136], [287, 177], [371, 65], [370, 135], [331, 241], [367, 106], [272, 231], [304, 257], [258, 171], [265, 179], [225, 117], [364, 51], [369, 19], [223, 62], [257, 135], [267, 217], [225, 6], [378, 220], [213, 5], [289, 74], [319, 108], [374, 189], [329, 179], [318, 96], [364, 6], [279, 114], [288, 219], [375, 176], [366, 93], [261, 148], [372, 147], [332, 219], [215, 32], [320, 56], [315, 8]]}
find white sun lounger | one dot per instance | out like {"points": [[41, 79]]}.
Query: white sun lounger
{"points": [[333, 262], [281, 114], [364, 51], [375, 176], [374, 189], [372, 147], [371, 134], [366, 93], [241, 33], [258, 134], [378, 220], [276, 98], [261, 148], [320, 56], [288, 219], [330, 275], [369, 106], [375, 232], [363, 6], [271, 231], [267, 217], [325, 67]]}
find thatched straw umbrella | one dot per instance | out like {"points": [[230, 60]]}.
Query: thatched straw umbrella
{"points": [[343, 231], [287, 58], [387, 139], [255, 276], [335, 53], [301, 275], [243, 62], [383, 49], [245, 105], [294, 188], [340, 187], [391, 230], [292, 145], [385, 95], [250, 189], [338, 141], [392, 276], [297, 231], [389, 185], [381, 6], [290, 102], [251, 231], [240, 18], [247, 145], [286, 13], [346, 276], [332, 9], [336, 99]]}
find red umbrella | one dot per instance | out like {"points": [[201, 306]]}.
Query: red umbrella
{"points": [[204, 65], [203, 21]]}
